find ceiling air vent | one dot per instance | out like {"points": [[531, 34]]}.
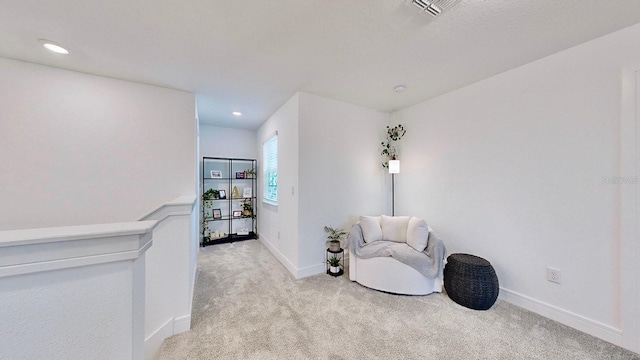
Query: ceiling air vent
{"points": [[433, 7]]}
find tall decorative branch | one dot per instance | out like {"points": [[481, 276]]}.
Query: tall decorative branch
{"points": [[389, 151]]}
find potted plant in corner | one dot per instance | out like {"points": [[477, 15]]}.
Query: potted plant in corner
{"points": [[334, 264], [334, 236]]}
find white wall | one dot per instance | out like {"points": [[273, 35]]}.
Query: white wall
{"points": [[511, 168], [340, 172], [278, 225], [226, 142], [83, 149], [329, 173], [169, 273]]}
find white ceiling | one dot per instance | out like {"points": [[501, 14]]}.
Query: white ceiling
{"points": [[252, 56]]}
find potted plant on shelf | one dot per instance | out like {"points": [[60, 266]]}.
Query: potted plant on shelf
{"points": [[247, 208], [207, 203], [334, 236], [334, 264], [250, 173], [210, 194]]}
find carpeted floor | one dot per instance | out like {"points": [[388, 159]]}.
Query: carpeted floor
{"points": [[247, 306]]}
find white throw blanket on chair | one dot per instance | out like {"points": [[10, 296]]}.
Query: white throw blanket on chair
{"points": [[429, 263]]}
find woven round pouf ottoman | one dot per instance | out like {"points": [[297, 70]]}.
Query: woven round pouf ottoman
{"points": [[471, 281]]}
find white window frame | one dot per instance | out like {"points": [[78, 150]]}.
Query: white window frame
{"points": [[270, 170]]}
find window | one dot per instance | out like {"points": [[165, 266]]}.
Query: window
{"points": [[270, 170]]}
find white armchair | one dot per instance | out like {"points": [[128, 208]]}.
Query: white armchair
{"points": [[391, 260]]}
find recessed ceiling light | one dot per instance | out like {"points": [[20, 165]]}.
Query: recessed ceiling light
{"points": [[237, 113], [399, 88], [50, 45]]}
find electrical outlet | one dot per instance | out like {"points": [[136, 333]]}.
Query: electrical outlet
{"points": [[554, 275]]}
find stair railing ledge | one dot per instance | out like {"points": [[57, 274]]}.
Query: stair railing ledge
{"points": [[33, 250]]}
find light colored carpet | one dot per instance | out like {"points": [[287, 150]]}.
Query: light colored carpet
{"points": [[247, 306]]}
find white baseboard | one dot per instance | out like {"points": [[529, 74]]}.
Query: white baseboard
{"points": [[181, 324], [311, 270], [578, 322], [283, 259], [297, 273], [153, 343]]}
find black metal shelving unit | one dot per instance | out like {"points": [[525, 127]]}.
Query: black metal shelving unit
{"points": [[231, 221]]}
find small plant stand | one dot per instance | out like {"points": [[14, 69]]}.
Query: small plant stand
{"points": [[340, 268]]}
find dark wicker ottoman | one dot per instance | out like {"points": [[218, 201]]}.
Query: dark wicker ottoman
{"points": [[471, 281]]}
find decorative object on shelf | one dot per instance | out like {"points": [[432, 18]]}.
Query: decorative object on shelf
{"points": [[210, 194], [207, 202], [246, 193], [222, 194], [237, 213], [217, 214], [335, 262], [247, 207], [243, 231], [216, 174], [235, 194], [217, 234], [389, 151], [334, 236], [250, 173], [239, 174]]}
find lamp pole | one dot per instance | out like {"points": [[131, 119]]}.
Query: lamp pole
{"points": [[393, 194], [394, 168]]}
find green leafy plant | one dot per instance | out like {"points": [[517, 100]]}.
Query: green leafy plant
{"points": [[334, 234], [250, 173], [247, 208], [334, 261], [388, 150], [207, 203], [211, 194]]}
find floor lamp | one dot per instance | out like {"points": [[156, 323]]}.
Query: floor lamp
{"points": [[394, 168]]}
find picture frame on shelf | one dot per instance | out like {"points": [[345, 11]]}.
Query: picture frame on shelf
{"points": [[217, 214], [239, 174], [216, 174], [222, 194], [237, 213], [246, 193]]}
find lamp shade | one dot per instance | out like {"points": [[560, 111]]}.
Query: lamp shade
{"points": [[394, 166]]}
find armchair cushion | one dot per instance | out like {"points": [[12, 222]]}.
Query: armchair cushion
{"points": [[417, 233], [394, 228], [371, 230]]}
